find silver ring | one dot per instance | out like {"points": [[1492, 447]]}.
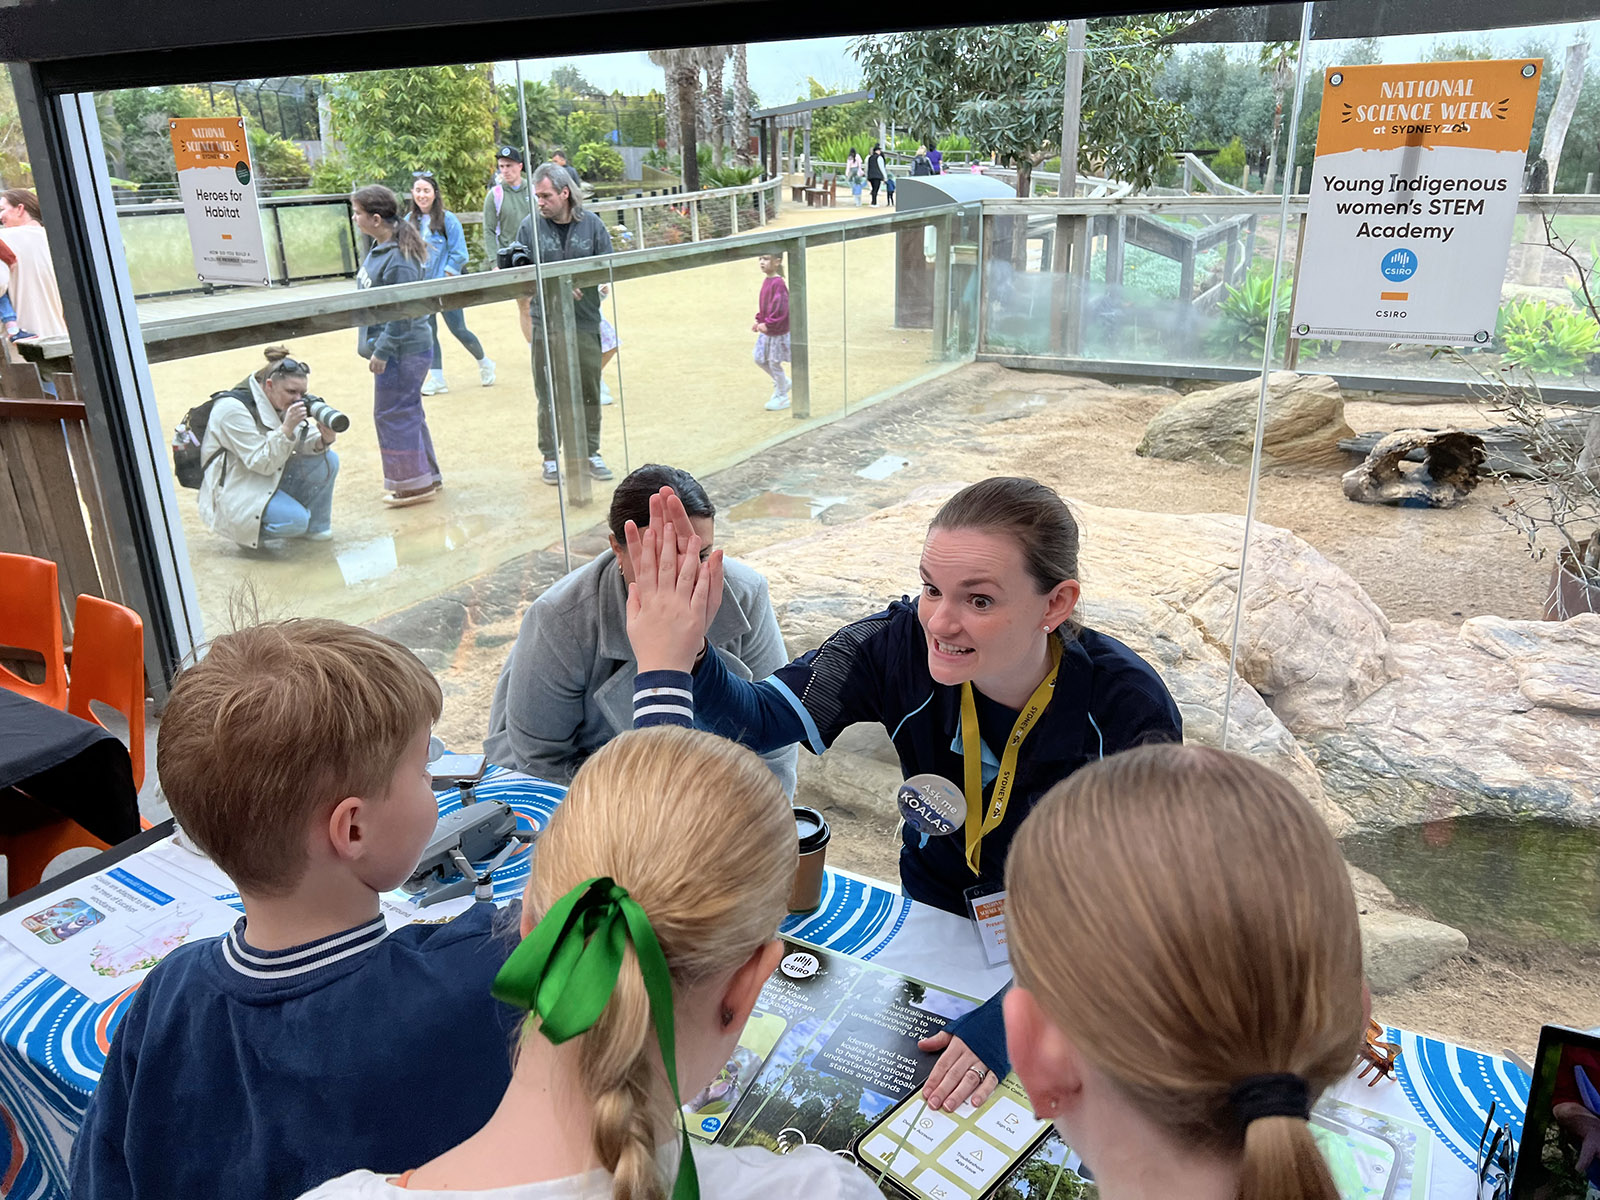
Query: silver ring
{"points": [[981, 1072]]}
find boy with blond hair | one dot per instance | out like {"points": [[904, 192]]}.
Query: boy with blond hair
{"points": [[311, 1039]]}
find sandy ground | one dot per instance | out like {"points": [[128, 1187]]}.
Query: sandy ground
{"points": [[687, 393]]}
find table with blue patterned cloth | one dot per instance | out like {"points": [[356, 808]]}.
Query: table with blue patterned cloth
{"points": [[53, 1039]]}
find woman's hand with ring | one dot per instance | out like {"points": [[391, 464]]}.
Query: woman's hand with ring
{"points": [[958, 1076]]}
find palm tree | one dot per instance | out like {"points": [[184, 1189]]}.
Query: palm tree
{"points": [[1278, 59], [740, 134], [712, 59], [682, 71]]}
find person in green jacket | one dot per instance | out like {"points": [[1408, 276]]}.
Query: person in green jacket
{"points": [[505, 206]]}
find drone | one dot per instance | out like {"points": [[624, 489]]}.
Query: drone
{"points": [[480, 831]]}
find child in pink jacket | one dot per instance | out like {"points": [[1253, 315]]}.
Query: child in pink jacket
{"points": [[772, 329]]}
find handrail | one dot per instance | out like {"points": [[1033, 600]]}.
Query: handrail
{"points": [[1570, 204], [179, 337], [610, 205]]}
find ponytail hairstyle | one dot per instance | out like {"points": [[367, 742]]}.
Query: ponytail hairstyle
{"points": [[28, 199], [280, 363], [701, 835], [381, 202], [1184, 917]]}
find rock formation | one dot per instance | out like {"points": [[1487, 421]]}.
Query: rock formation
{"points": [[1305, 420]]}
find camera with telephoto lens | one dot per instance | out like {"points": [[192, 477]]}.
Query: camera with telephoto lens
{"points": [[514, 255], [320, 411]]}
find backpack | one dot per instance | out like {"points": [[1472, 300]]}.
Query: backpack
{"points": [[190, 435]]}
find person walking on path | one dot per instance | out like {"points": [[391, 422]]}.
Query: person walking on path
{"points": [[33, 279], [564, 231], [398, 351], [447, 256], [506, 205], [921, 165], [772, 329], [854, 174], [876, 172], [935, 159]]}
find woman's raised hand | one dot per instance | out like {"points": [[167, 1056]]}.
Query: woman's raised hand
{"points": [[674, 595]]}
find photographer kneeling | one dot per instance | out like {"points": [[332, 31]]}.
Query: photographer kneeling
{"points": [[268, 472]]}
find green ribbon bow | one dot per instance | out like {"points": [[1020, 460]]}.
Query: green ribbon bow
{"points": [[567, 968]]}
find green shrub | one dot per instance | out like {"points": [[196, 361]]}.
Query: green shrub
{"points": [[1545, 338], [1229, 162], [1241, 327], [728, 175], [597, 161]]}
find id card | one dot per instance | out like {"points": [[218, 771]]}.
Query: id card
{"points": [[986, 905]]}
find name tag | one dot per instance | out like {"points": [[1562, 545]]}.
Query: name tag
{"points": [[988, 911]]}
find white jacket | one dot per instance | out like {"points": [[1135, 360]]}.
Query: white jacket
{"points": [[239, 481]]}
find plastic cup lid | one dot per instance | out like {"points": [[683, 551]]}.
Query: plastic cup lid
{"points": [[812, 828]]}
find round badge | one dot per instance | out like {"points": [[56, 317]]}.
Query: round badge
{"points": [[931, 804], [800, 965], [241, 171]]}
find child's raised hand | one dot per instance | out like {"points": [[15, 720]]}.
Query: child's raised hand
{"points": [[675, 595]]}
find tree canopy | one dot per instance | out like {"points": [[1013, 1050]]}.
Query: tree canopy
{"points": [[1002, 85], [391, 123]]}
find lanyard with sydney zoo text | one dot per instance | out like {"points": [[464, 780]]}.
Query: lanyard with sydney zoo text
{"points": [[980, 822]]}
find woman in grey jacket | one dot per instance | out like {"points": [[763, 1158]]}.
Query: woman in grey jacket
{"points": [[567, 686], [399, 351]]}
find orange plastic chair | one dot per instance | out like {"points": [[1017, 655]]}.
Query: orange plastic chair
{"points": [[30, 619], [108, 666]]}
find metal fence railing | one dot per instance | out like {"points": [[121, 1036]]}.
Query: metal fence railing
{"points": [[314, 237]]}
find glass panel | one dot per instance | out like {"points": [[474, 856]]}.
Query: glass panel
{"points": [[1450, 722]]}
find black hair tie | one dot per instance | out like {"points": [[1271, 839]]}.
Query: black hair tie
{"points": [[1282, 1095]]}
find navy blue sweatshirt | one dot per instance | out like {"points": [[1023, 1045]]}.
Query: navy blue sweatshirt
{"points": [[1106, 699], [257, 1074]]}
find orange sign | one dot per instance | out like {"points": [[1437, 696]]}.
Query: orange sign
{"points": [[1474, 105], [208, 142]]}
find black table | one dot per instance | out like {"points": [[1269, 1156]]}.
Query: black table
{"points": [[55, 764]]}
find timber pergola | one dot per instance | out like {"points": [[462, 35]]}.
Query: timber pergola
{"points": [[792, 117]]}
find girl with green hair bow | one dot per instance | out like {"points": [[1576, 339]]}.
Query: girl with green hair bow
{"points": [[649, 926]]}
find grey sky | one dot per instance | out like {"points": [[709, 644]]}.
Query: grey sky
{"points": [[778, 70]]}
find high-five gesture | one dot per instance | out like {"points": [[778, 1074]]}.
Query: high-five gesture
{"points": [[674, 595]]}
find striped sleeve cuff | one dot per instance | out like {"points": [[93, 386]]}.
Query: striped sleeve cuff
{"points": [[663, 698]]}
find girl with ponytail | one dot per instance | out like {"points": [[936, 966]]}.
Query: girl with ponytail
{"points": [[648, 928], [1188, 975], [399, 351]]}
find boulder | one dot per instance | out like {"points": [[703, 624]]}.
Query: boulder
{"points": [[1140, 569], [1305, 420], [1493, 718], [1557, 662], [1397, 948]]}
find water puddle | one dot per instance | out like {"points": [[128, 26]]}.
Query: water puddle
{"points": [[1517, 879], [884, 467], [1010, 402], [783, 506]]}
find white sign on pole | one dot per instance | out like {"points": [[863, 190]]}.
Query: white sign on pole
{"points": [[218, 187], [1413, 200]]}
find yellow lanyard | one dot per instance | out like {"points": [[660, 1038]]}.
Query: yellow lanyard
{"points": [[980, 822]]}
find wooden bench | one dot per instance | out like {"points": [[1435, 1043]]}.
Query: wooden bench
{"points": [[823, 193], [798, 190]]}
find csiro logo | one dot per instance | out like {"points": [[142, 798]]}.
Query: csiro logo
{"points": [[711, 1124], [1400, 264]]}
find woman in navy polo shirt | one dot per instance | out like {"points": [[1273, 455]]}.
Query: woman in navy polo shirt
{"points": [[984, 680]]}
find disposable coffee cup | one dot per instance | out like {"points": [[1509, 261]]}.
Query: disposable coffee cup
{"points": [[812, 829]]}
